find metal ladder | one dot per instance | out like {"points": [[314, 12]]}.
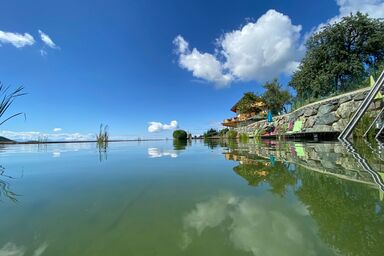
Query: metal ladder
{"points": [[362, 109]]}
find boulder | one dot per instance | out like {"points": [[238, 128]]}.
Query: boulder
{"points": [[310, 112], [326, 119], [310, 122], [321, 128], [345, 99], [360, 96], [346, 109], [340, 125], [327, 108]]}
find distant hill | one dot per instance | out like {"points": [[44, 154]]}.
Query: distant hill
{"points": [[4, 140]]}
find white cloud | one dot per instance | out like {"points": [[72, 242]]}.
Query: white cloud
{"points": [[253, 224], [10, 249], [258, 51], [47, 40], [28, 136], [158, 127], [263, 50], [374, 8], [16, 39], [158, 153], [57, 129]]}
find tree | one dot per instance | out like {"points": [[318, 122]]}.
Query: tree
{"points": [[180, 135], [246, 104], [275, 97], [211, 133], [340, 57]]}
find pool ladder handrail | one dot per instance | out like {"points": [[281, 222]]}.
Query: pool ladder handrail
{"points": [[374, 121], [362, 108]]}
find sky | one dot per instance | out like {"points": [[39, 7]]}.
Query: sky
{"points": [[148, 67]]}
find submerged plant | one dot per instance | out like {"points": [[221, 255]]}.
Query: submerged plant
{"points": [[7, 100]]}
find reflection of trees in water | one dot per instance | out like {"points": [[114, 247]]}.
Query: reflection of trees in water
{"points": [[276, 175], [350, 215], [5, 190], [224, 143], [180, 144], [103, 150]]}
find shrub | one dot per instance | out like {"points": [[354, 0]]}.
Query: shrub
{"points": [[180, 135], [231, 134]]}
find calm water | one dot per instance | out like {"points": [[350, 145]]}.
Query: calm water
{"points": [[156, 198]]}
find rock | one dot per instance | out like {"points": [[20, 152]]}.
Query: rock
{"points": [[296, 114], [324, 109], [340, 125], [345, 99], [310, 112], [375, 105], [360, 96], [347, 109], [321, 128], [310, 122], [326, 119]]}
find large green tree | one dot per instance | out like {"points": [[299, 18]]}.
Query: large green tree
{"points": [[275, 96], [340, 57]]}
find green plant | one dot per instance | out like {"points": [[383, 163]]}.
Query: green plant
{"points": [[211, 133], [8, 99], [362, 126], [103, 136], [340, 57], [231, 134], [275, 97], [243, 137], [247, 103], [180, 135]]}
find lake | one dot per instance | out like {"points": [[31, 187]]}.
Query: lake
{"points": [[213, 198]]}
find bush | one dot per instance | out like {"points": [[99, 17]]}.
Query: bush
{"points": [[243, 138], [231, 134], [180, 135]]}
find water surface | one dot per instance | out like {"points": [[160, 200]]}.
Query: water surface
{"points": [[216, 198]]}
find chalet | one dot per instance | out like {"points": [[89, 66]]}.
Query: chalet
{"points": [[260, 112]]}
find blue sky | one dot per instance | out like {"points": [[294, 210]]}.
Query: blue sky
{"points": [[117, 62]]}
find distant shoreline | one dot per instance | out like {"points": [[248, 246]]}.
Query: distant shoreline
{"points": [[72, 141]]}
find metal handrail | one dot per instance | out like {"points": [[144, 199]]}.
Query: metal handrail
{"points": [[380, 131], [363, 163], [362, 108], [374, 121]]}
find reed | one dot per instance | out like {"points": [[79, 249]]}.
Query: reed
{"points": [[7, 100], [103, 136]]}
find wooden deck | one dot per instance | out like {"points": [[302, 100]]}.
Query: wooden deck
{"points": [[314, 136]]}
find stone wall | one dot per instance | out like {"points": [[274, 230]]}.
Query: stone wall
{"points": [[330, 115], [327, 158]]}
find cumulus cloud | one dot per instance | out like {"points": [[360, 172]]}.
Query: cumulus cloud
{"points": [[374, 8], [158, 153], [28, 136], [202, 65], [258, 51], [254, 224], [158, 127], [16, 39], [57, 129], [11, 249], [47, 40]]}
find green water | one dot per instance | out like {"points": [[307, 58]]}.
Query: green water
{"points": [[156, 198]]}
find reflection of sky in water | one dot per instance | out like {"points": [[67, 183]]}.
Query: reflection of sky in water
{"points": [[259, 225], [157, 152], [11, 249]]}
